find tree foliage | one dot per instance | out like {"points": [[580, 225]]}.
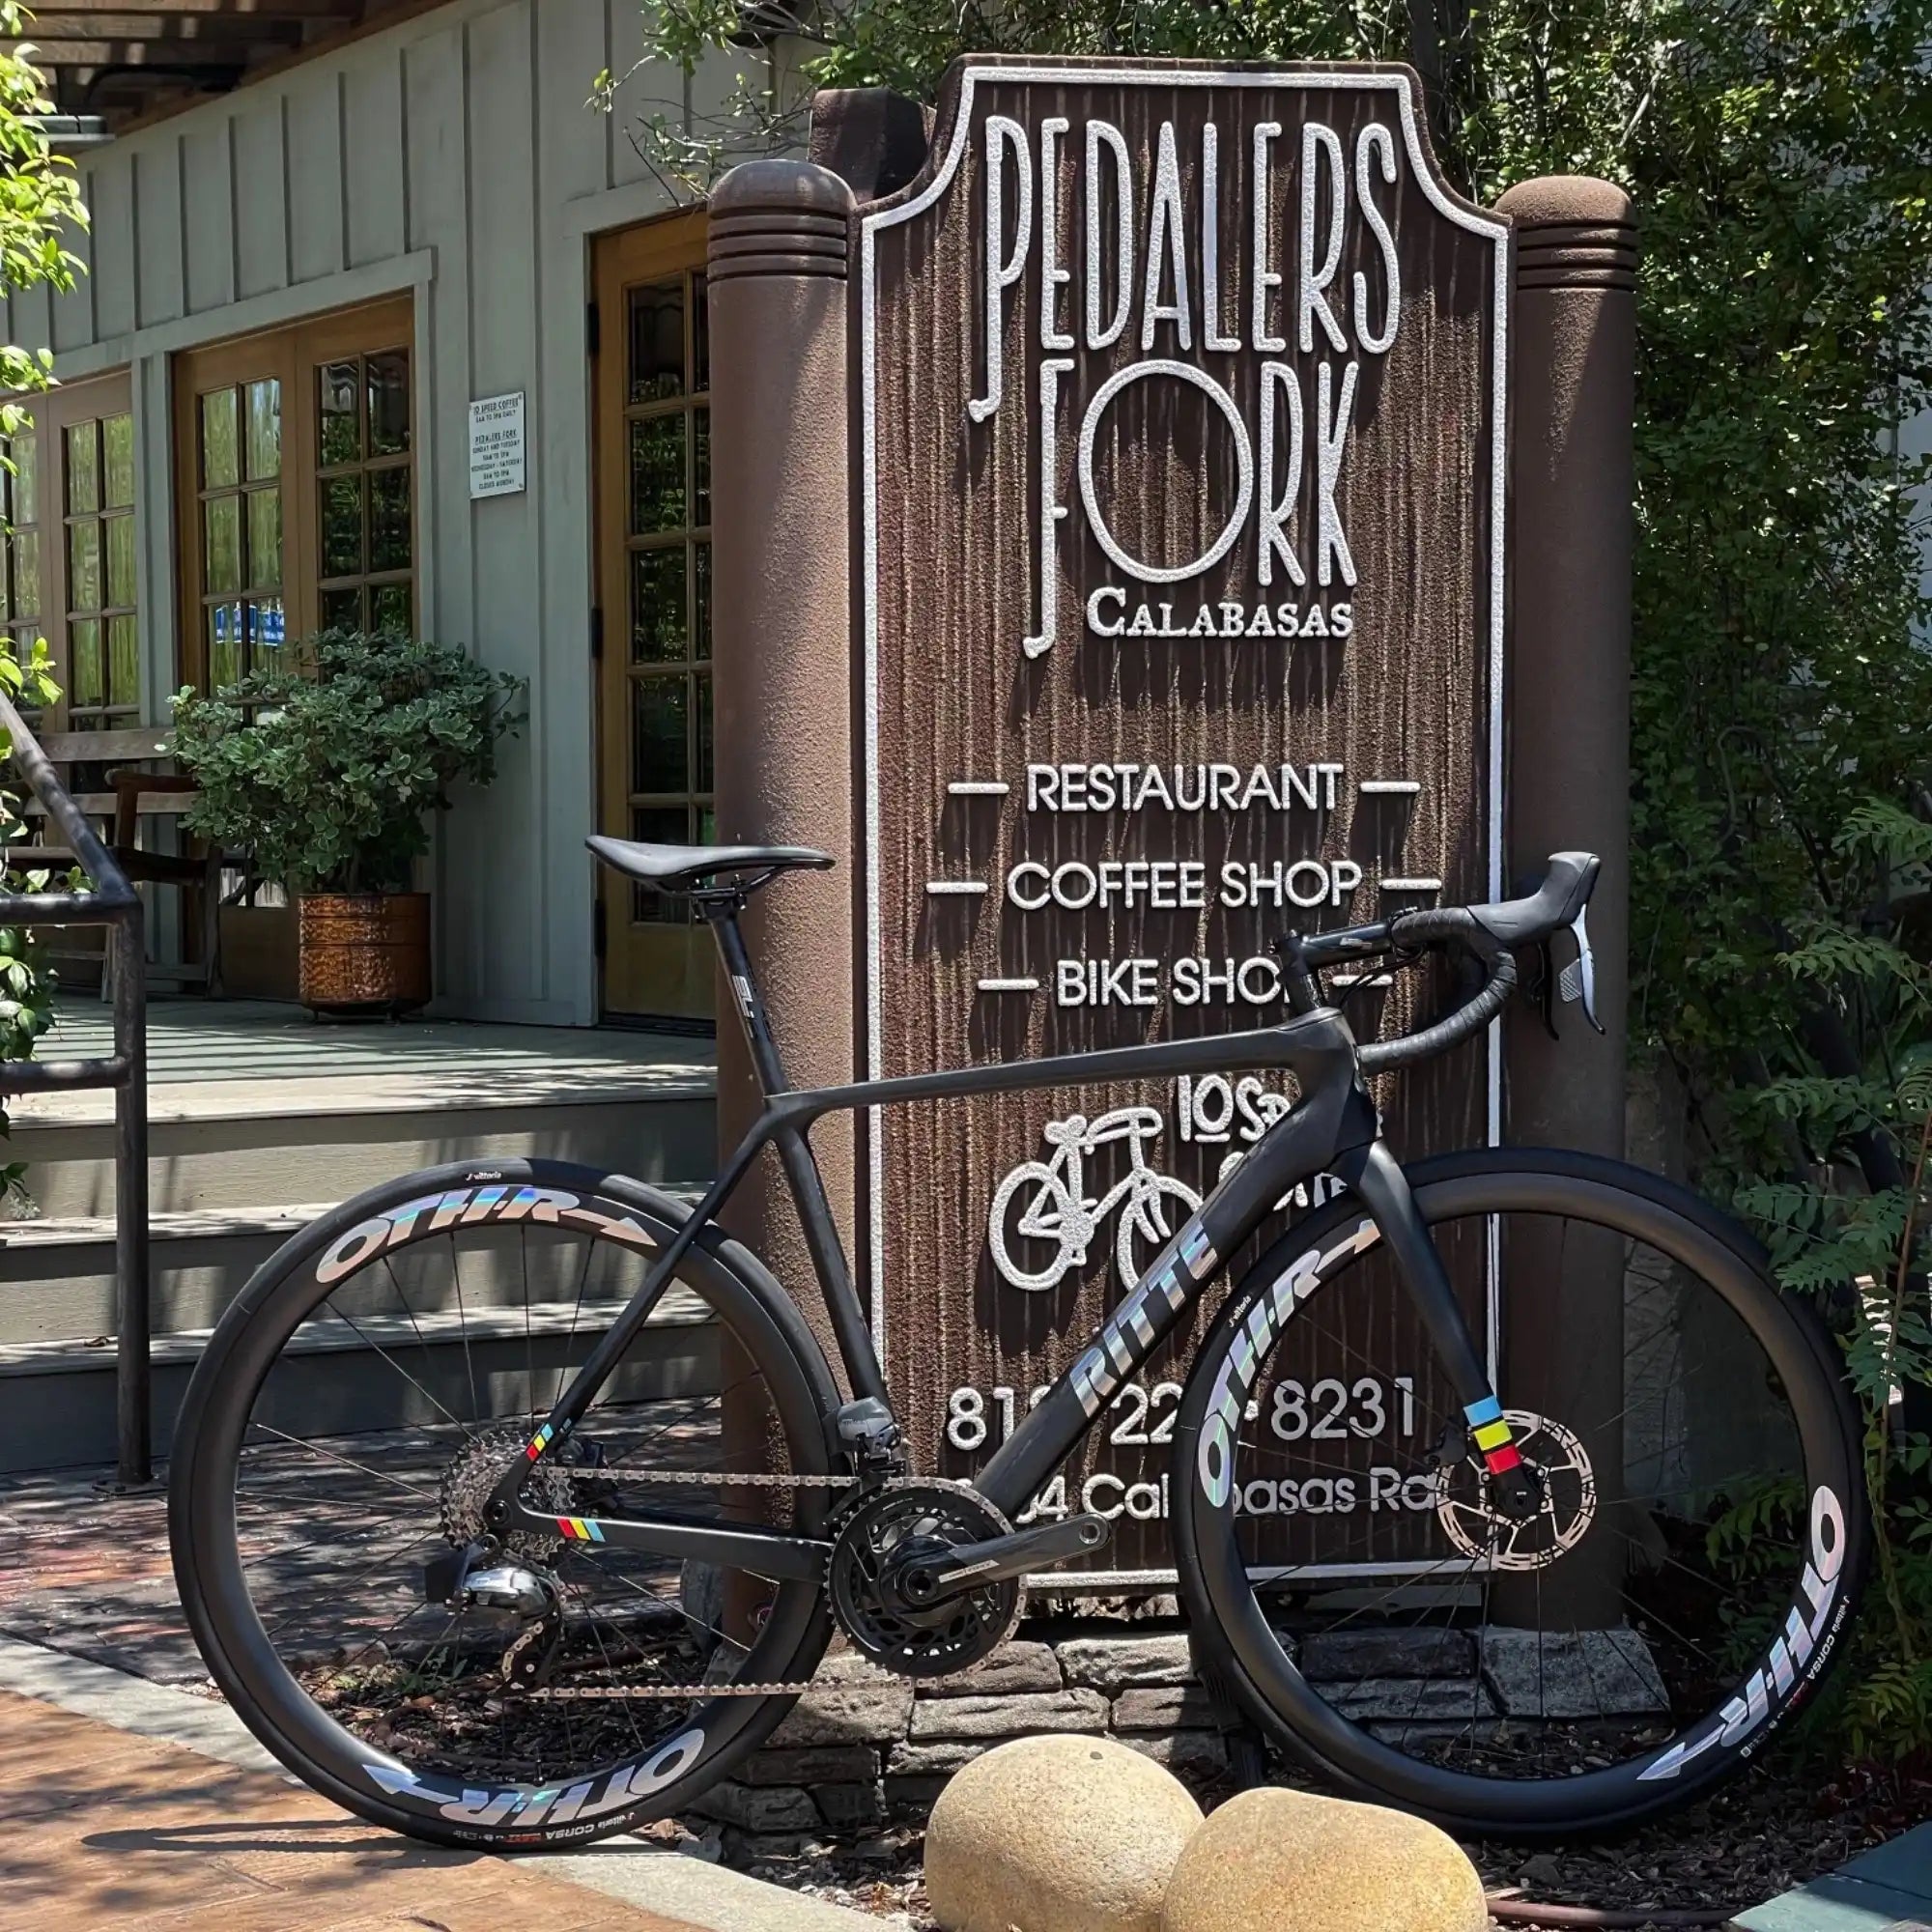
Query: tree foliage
{"points": [[1780, 152], [39, 210]]}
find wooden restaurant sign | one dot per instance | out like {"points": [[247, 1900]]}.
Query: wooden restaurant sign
{"points": [[1181, 400]]}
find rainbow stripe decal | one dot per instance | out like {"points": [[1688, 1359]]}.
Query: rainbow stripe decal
{"points": [[580, 1530], [1493, 1435], [539, 1442]]}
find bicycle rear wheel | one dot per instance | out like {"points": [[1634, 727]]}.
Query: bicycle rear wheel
{"points": [[347, 1423], [1690, 1570]]}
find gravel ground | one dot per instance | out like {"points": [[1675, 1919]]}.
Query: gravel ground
{"points": [[1780, 1827]]}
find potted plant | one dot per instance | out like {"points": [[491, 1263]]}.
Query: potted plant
{"points": [[323, 770]]}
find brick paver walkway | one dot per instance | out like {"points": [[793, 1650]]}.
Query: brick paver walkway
{"points": [[107, 1830]]}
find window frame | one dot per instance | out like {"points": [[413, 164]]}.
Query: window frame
{"points": [[294, 356]]}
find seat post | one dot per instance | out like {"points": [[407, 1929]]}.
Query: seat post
{"points": [[722, 910]]}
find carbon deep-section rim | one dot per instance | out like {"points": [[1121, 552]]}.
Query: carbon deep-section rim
{"points": [[221, 1490], [1261, 1624]]}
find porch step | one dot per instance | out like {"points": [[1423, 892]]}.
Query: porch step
{"points": [[257, 1103], [254, 1104], [57, 1275], [57, 1398]]}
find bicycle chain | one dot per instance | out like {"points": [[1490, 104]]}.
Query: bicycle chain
{"points": [[685, 1694]]}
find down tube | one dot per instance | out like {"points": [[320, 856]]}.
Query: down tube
{"points": [[1300, 1145]]}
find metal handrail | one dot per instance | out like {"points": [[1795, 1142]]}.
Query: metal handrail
{"points": [[112, 902]]}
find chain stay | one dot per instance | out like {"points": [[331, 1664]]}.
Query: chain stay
{"points": [[697, 1694]]}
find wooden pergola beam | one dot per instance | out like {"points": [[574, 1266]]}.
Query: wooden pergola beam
{"points": [[55, 34]]}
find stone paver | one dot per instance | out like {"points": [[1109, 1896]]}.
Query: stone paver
{"points": [[107, 1830]]}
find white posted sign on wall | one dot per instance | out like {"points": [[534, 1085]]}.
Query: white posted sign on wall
{"points": [[495, 445]]}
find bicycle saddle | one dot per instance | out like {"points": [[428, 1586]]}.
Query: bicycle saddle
{"points": [[683, 868]]}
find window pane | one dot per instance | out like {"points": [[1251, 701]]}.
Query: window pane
{"points": [[341, 397], [342, 527], [390, 608], [701, 642], [265, 430], [83, 467], [7, 568], [24, 495], [342, 611], [117, 435], [220, 442], [702, 734], [120, 560], [27, 572], [389, 402], [700, 337], [224, 645], [388, 519], [223, 521], [87, 685], [123, 661], [660, 750], [268, 629], [657, 341], [657, 606], [657, 475], [83, 566], [265, 539], [659, 825]]}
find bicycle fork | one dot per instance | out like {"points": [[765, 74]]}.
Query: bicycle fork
{"points": [[1375, 1176]]}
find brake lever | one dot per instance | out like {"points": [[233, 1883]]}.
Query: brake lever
{"points": [[1578, 980]]}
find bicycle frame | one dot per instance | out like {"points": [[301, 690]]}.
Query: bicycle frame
{"points": [[1332, 1129]]}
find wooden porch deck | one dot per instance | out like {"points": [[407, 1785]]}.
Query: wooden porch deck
{"points": [[212, 1060]]}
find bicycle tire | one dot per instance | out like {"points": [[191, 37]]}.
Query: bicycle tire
{"points": [[1250, 1662], [756, 1317]]}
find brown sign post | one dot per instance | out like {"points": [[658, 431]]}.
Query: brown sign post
{"points": [[1178, 408]]}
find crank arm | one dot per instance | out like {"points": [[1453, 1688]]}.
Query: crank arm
{"points": [[1001, 1557], [772, 1555]]}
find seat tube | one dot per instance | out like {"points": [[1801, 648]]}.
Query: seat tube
{"points": [[856, 1348]]}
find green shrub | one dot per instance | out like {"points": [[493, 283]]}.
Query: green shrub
{"points": [[323, 770]]}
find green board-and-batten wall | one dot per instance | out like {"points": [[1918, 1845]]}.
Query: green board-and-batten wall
{"points": [[451, 158]]}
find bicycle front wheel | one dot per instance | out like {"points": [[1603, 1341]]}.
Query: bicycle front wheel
{"points": [[1683, 1583], [340, 1442]]}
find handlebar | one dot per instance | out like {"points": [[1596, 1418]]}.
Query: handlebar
{"points": [[1487, 933]]}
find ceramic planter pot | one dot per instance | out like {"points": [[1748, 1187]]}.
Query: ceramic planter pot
{"points": [[364, 954]]}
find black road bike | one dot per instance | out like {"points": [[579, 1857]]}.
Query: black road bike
{"points": [[514, 1503]]}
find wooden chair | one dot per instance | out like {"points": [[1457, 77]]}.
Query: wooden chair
{"points": [[135, 793]]}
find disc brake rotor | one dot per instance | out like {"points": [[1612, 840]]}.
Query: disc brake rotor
{"points": [[1567, 1510]]}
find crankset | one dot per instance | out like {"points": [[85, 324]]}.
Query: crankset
{"points": [[1001, 1557], [925, 1576]]}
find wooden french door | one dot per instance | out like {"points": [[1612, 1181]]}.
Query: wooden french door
{"points": [[651, 383]]}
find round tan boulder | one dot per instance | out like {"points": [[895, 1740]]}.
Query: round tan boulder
{"points": [[1289, 1862], [1056, 1834]]}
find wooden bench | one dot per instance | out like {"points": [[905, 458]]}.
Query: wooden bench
{"points": [[135, 793]]}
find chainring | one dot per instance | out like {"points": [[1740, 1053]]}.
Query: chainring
{"points": [[892, 1527], [470, 1481]]}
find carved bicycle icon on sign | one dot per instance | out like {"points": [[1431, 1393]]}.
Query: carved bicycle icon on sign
{"points": [[1054, 1208]]}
